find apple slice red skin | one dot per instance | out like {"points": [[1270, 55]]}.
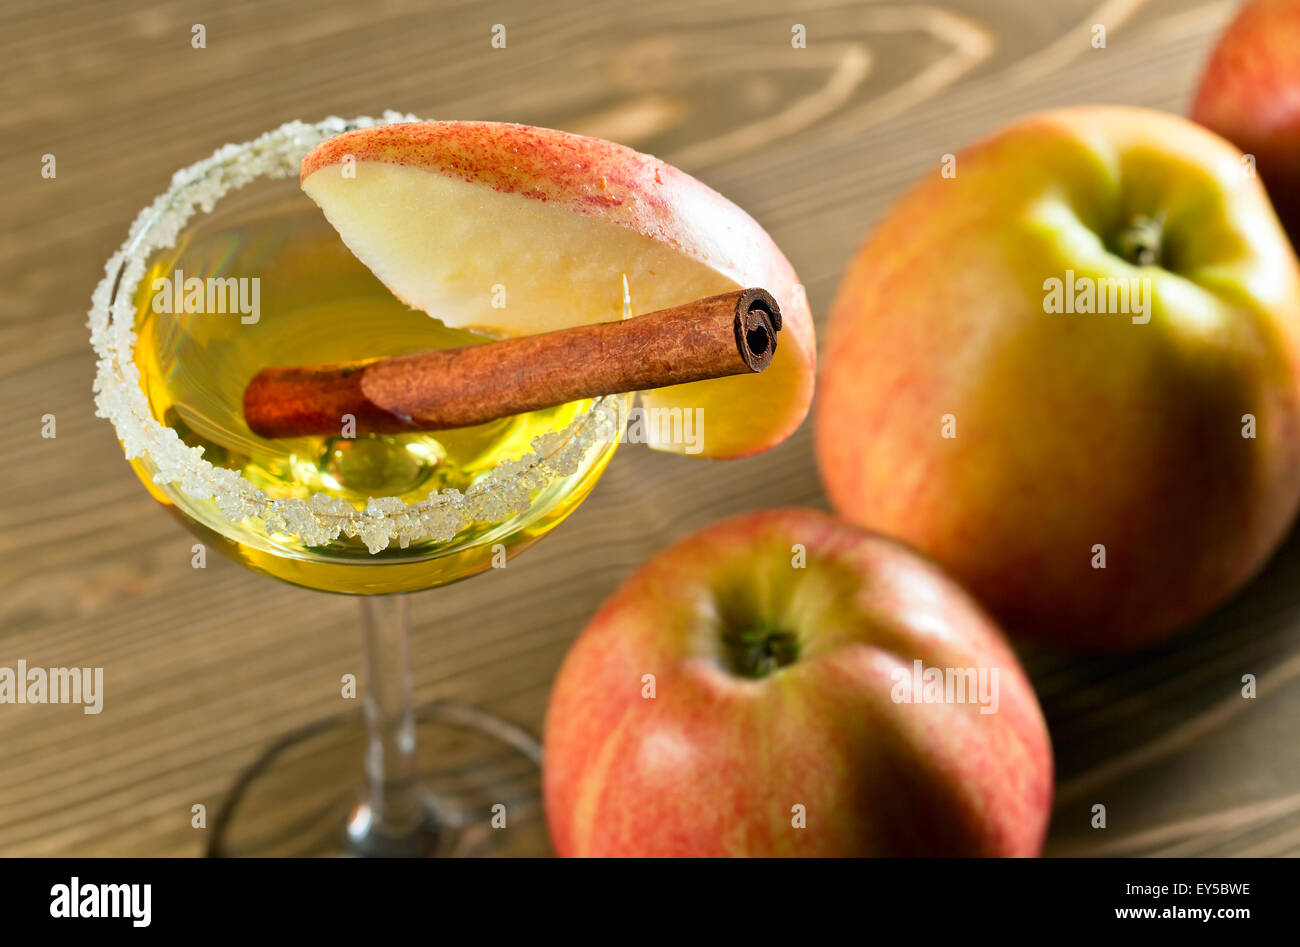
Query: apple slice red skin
{"points": [[596, 178], [714, 764]]}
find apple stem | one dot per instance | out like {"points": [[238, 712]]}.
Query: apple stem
{"points": [[758, 652], [1140, 242]]}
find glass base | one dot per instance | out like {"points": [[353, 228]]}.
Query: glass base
{"points": [[305, 795]]}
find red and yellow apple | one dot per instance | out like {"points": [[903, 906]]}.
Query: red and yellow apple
{"points": [[455, 217], [1096, 479], [747, 693], [1250, 94]]}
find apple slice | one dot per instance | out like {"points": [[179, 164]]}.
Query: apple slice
{"points": [[452, 216]]}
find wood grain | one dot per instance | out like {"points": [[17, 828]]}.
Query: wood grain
{"points": [[206, 667]]}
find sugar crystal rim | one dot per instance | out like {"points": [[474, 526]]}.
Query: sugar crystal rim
{"points": [[504, 491]]}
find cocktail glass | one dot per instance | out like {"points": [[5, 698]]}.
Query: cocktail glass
{"points": [[445, 507]]}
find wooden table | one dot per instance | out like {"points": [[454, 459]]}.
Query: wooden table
{"points": [[206, 667]]}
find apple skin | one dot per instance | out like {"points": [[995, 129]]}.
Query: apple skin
{"points": [[1072, 431], [610, 183], [714, 763], [1250, 94]]}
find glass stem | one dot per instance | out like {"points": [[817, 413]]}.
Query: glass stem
{"points": [[397, 811]]}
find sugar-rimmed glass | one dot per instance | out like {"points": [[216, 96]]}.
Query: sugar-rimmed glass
{"points": [[390, 544]]}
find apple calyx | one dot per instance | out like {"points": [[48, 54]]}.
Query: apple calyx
{"points": [[757, 652], [1140, 243]]}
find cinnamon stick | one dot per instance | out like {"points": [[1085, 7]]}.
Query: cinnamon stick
{"points": [[728, 334]]}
